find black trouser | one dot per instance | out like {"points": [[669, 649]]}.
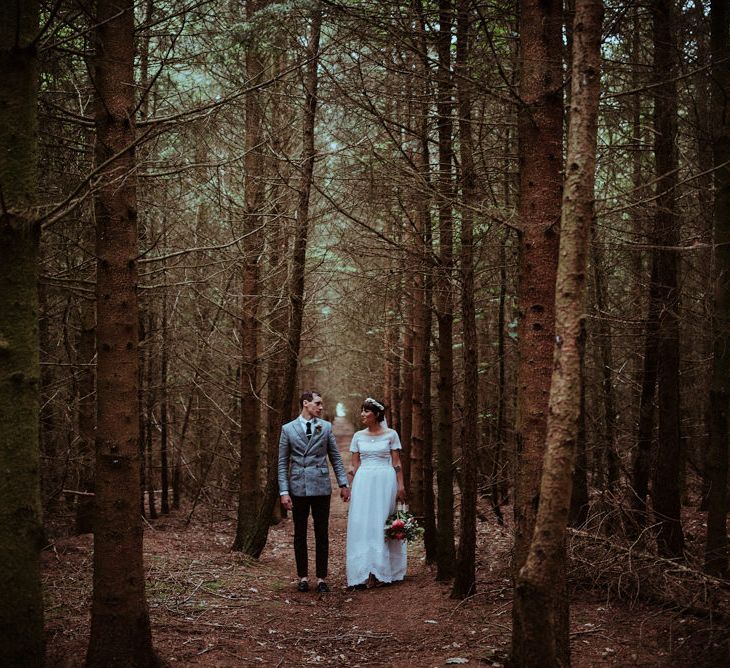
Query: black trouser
{"points": [[320, 506]]}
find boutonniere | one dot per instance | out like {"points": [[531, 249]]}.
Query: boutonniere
{"points": [[318, 429]]}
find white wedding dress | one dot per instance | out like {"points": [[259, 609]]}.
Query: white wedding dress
{"points": [[373, 498]]}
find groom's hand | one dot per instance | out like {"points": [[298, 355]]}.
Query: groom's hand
{"points": [[286, 501], [345, 494]]}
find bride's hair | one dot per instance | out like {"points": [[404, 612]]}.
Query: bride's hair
{"points": [[376, 407]]}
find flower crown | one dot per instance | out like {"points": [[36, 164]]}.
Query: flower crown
{"points": [[372, 402]]}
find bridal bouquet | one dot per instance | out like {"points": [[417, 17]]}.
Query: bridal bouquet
{"points": [[401, 525]]}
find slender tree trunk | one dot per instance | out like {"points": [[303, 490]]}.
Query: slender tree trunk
{"points": [[21, 529], [164, 441], [610, 457], [465, 577], [544, 640], [86, 413], [259, 533], [642, 460], [149, 416], [540, 135], [495, 462], [445, 557], [406, 403], [422, 301], [140, 413], [665, 490], [716, 548], [120, 627], [249, 495], [579, 499]]}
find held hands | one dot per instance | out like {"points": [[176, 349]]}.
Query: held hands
{"points": [[286, 501], [345, 494]]}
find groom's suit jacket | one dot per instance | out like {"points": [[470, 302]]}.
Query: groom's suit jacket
{"points": [[303, 469]]}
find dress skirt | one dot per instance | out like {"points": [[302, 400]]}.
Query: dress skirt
{"points": [[373, 498]]}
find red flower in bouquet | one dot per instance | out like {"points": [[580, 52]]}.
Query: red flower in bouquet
{"points": [[401, 525]]}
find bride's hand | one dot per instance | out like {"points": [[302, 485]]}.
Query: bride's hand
{"points": [[402, 494]]}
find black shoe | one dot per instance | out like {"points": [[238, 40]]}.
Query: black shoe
{"points": [[303, 585], [322, 588]]}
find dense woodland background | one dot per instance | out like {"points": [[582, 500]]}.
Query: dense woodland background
{"points": [[210, 205]]}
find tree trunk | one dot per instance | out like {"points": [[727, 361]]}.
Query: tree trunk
{"points": [[716, 548], [445, 553], [249, 495], [149, 416], [86, 411], [642, 459], [164, 343], [540, 135], [609, 459], [465, 577], [120, 626], [21, 529], [580, 499], [665, 489], [421, 473], [260, 531], [406, 403], [541, 582]]}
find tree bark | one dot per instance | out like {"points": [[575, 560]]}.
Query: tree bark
{"points": [[21, 529], [445, 553], [465, 577], [541, 582], [540, 134], [120, 626], [86, 352], [716, 547], [665, 489], [259, 533], [249, 495]]}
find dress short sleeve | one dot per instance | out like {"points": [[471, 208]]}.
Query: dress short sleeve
{"points": [[354, 447], [394, 440]]}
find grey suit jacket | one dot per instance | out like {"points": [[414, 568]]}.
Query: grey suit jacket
{"points": [[303, 469]]}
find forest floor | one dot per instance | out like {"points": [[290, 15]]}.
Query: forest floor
{"points": [[213, 607]]}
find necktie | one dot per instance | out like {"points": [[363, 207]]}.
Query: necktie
{"points": [[309, 429]]}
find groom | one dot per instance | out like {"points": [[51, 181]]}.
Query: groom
{"points": [[304, 483]]}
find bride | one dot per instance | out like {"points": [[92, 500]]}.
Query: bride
{"points": [[377, 483]]}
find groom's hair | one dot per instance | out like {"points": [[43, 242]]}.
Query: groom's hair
{"points": [[308, 395]]}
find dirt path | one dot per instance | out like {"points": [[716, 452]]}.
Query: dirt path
{"points": [[212, 607]]}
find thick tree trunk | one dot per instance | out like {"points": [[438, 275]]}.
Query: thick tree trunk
{"points": [[665, 489], [249, 495], [540, 135], [465, 577], [21, 530], [120, 627], [445, 553], [716, 548], [541, 582]]}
